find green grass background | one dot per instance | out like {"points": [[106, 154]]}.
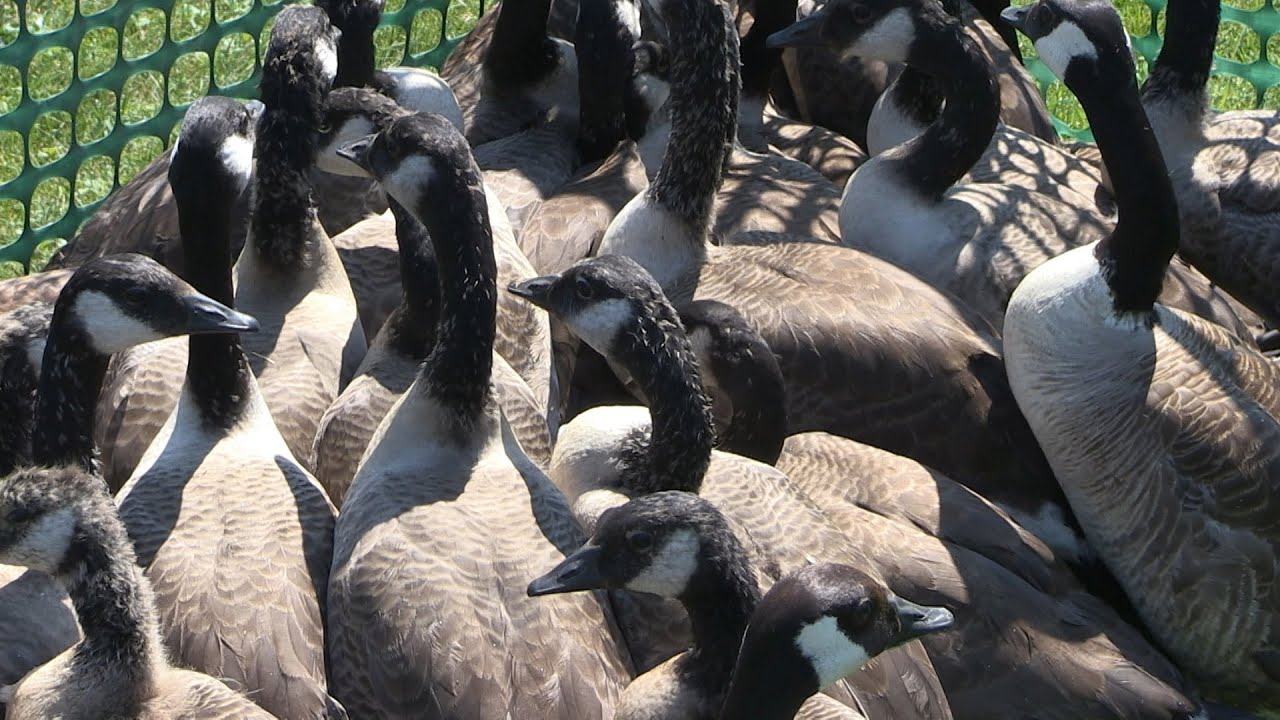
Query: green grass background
{"points": [[142, 97]]}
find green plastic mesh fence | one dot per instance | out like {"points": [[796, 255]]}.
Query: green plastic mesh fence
{"points": [[91, 93]]}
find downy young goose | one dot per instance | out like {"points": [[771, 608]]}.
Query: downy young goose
{"points": [[1225, 167], [372, 248], [903, 205], [868, 350], [678, 545], [608, 454], [389, 368], [61, 521], [218, 502], [1160, 426], [288, 276], [816, 625], [923, 535], [108, 305], [416, 571]]}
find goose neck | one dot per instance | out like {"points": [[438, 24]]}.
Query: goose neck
{"points": [[413, 324], [456, 375], [658, 356], [603, 44], [218, 374], [703, 106], [113, 603], [759, 62], [17, 408], [916, 96], [356, 56], [520, 51], [67, 396], [719, 601], [765, 687], [952, 143], [285, 227], [1181, 70], [1137, 253]]}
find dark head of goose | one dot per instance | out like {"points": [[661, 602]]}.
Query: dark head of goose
{"points": [[214, 127], [1071, 36], [351, 114], [883, 29], [41, 512], [300, 65]]}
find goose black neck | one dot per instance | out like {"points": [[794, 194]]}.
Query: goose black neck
{"points": [[285, 223], [520, 52], [758, 60], [1137, 253], [703, 102], [67, 396], [770, 682], [356, 55], [916, 95], [112, 601], [17, 406], [456, 374], [661, 361], [218, 375], [719, 600], [1186, 57], [605, 60], [412, 326], [950, 145]]}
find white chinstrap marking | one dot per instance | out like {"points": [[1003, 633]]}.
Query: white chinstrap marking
{"points": [[110, 328], [672, 567], [1066, 42], [831, 653]]}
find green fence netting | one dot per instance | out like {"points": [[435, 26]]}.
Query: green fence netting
{"points": [[91, 91]]}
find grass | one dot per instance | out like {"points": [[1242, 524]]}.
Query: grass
{"points": [[143, 95]]}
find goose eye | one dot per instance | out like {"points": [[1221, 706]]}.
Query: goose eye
{"points": [[1041, 14], [640, 540], [862, 611], [584, 289], [135, 296]]}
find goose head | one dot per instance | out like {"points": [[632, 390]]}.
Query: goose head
{"points": [[43, 511], [411, 155], [303, 49], [600, 300], [1073, 37], [214, 153], [880, 29], [828, 620], [350, 115], [655, 544], [118, 301], [354, 17]]}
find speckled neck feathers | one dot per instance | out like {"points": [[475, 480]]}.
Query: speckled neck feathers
{"points": [[520, 53], [18, 380], [1181, 71], [67, 398], [703, 103], [411, 327]]}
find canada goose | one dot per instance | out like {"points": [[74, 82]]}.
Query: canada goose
{"points": [[675, 544], [975, 240], [1166, 446], [761, 128], [868, 350], [218, 501], [819, 623], [510, 73], [608, 454], [391, 365], [416, 570], [23, 332], [60, 521], [108, 305], [924, 535], [1224, 166], [288, 276], [370, 254]]}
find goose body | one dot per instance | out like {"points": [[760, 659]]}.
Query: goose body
{"points": [[415, 567], [1168, 435]]}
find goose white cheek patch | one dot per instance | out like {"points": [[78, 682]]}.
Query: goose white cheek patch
{"points": [[236, 155], [111, 330], [889, 39], [672, 567], [409, 180], [328, 56], [599, 322], [1067, 41], [831, 653], [45, 543]]}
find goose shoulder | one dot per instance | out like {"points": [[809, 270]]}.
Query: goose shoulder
{"points": [[39, 287], [771, 193], [526, 168], [834, 156], [139, 393]]}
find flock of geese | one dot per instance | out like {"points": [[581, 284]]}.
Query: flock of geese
{"points": [[663, 361]]}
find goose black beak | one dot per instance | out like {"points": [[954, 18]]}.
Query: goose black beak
{"points": [[535, 290], [1015, 16], [206, 315], [919, 620], [254, 108], [357, 151], [579, 571], [802, 33]]}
